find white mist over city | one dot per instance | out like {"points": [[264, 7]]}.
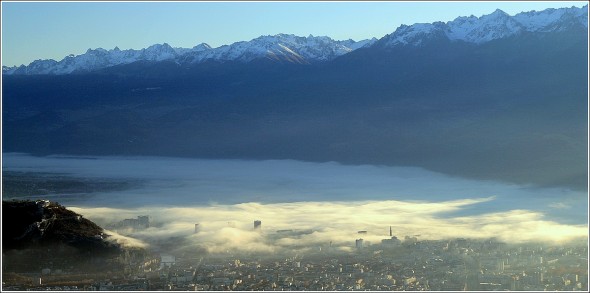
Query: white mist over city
{"points": [[332, 200]]}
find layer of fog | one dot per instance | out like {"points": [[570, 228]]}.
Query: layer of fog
{"points": [[332, 200], [230, 227]]}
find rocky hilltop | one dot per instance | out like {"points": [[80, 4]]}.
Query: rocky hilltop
{"points": [[39, 233]]}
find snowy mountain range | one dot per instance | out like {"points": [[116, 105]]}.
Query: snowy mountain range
{"points": [[496, 25], [289, 48], [281, 47], [305, 50]]}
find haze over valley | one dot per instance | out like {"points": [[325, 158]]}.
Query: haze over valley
{"points": [[328, 198]]}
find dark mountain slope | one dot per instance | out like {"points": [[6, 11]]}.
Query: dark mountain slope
{"points": [[512, 109]]}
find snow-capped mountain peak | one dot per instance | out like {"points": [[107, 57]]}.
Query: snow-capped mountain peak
{"points": [[201, 47], [158, 52], [415, 34], [497, 14]]}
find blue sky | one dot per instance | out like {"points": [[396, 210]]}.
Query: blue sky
{"points": [[36, 30]]}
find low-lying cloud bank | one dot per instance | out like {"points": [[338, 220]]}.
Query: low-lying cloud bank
{"points": [[230, 227], [330, 202]]}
